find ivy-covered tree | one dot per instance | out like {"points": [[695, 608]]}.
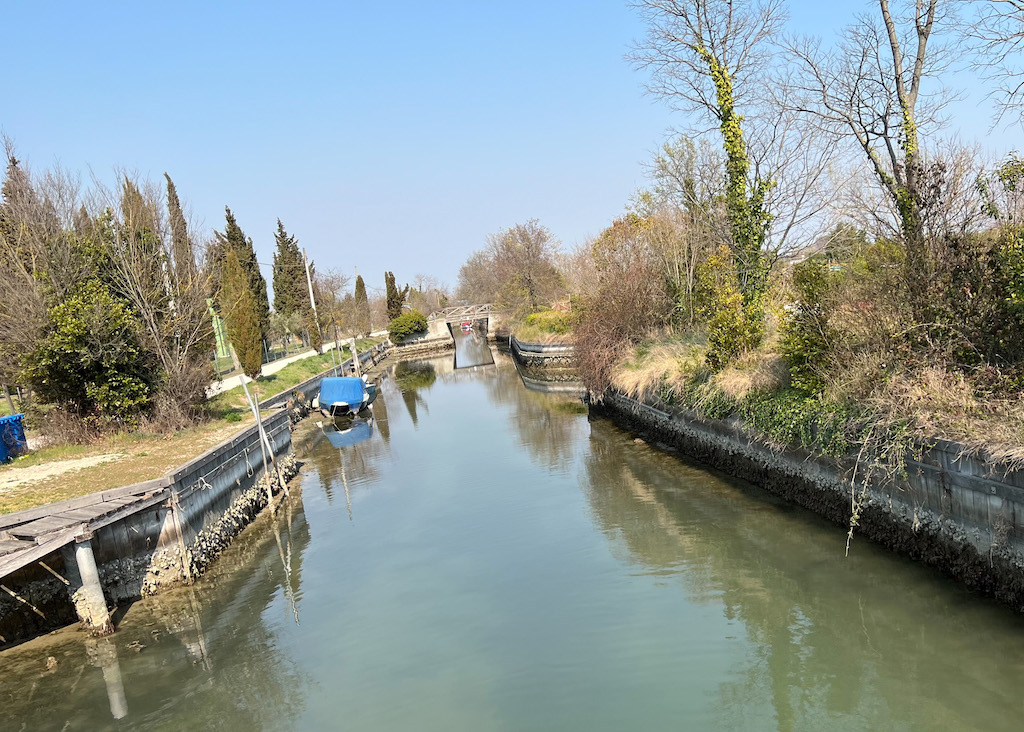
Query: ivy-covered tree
{"points": [[705, 55]]}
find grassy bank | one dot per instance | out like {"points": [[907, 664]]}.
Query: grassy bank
{"points": [[902, 409], [547, 326], [61, 472], [231, 405]]}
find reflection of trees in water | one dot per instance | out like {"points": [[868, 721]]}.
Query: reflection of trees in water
{"points": [[841, 642], [548, 425], [207, 656], [411, 376]]}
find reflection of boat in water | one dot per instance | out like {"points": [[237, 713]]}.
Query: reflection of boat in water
{"points": [[349, 431], [342, 395]]}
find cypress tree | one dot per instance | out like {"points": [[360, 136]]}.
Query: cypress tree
{"points": [[241, 315], [362, 306], [233, 239], [291, 294], [181, 246], [395, 297]]}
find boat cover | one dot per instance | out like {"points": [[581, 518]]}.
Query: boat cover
{"points": [[347, 389]]}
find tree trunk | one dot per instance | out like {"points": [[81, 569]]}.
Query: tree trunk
{"points": [[10, 402]]}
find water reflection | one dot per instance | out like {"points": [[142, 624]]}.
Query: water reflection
{"points": [[548, 425], [228, 668], [471, 348], [513, 565], [869, 642], [412, 377]]}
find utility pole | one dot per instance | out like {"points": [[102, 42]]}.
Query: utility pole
{"points": [[309, 284], [355, 357]]}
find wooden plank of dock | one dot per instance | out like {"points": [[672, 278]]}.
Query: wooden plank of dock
{"points": [[28, 536]]}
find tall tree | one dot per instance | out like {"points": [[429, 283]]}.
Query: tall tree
{"points": [[233, 239], [395, 296], [517, 269], [362, 307], [291, 293], [708, 58], [167, 293], [997, 33], [182, 255], [871, 90], [241, 315]]}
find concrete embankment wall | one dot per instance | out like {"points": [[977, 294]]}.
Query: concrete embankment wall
{"points": [[211, 499], [195, 512], [952, 510], [545, 363]]}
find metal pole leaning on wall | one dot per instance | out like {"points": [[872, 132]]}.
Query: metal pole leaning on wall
{"points": [[355, 356], [264, 440]]}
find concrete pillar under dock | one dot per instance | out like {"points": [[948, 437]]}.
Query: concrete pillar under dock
{"points": [[85, 588]]}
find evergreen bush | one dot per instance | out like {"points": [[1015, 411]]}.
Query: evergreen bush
{"points": [[407, 324]]}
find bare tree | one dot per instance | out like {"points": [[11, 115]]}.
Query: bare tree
{"points": [[334, 302], [517, 269], [997, 34], [22, 256], [166, 289], [427, 294], [870, 90]]}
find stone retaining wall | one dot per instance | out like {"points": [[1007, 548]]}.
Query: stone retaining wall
{"points": [[954, 511]]}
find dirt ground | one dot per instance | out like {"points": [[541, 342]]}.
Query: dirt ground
{"points": [[118, 461], [11, 479]]}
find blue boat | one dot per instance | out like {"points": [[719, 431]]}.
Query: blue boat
{"points": [[342, 395]]}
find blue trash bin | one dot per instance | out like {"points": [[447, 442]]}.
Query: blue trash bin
{"points": [[12, 437]]}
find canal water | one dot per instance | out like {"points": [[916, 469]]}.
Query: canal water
{"points": [[480, 556]]}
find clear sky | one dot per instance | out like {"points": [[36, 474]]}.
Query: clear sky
{"points": [[385, 135]]}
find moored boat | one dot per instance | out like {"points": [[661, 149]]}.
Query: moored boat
{"points": [[342, 395]]}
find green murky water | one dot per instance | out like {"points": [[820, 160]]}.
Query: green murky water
{"points": [[486, 558]]}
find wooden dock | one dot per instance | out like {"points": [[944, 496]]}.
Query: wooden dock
{"points": [[28, 536]]}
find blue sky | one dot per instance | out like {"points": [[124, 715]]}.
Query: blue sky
{"points": [[385, 136]]}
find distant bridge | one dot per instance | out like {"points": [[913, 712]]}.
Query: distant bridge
{"points": [[461, 313]]}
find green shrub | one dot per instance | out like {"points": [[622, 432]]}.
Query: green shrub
{"points": [[808, 337], [551, 321], [89, 361], [733, 325], [407, 324]]}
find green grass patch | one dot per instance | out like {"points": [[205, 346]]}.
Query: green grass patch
{"points": [[231, 405], [546, 326]]}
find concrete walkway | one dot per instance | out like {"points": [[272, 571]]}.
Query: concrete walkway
{"points": [[231, 382]]}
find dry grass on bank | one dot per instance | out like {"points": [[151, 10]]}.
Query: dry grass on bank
{"points": [[944, 405], [121, 460], [647, 366], [936, 402]]}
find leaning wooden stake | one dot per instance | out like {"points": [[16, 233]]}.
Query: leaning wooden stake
{"points": [[264, 440]]}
